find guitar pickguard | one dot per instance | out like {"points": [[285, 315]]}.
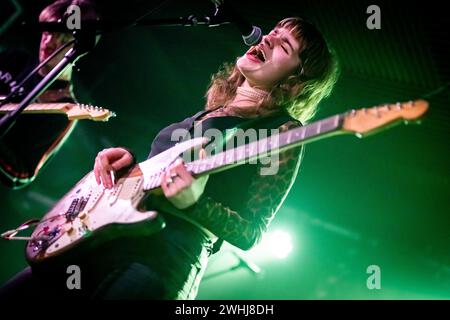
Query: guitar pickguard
{"points": [[86, 209]]}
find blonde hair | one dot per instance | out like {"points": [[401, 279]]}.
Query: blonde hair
{"points": [[301, 92]]}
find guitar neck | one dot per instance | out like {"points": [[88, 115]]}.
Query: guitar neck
{"points": [[275, 143], [270, 145], [60, 108]]}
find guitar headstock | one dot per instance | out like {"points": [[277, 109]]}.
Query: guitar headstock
{"points": [[82, 111], [367, 121]]}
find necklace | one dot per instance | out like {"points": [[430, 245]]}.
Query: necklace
{"points": [[252, 93]]}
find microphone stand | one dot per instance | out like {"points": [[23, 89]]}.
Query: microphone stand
{"points": [[84, 43], [242, 263]]}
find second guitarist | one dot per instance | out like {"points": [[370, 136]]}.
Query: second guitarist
{"points": [[35, 138]]}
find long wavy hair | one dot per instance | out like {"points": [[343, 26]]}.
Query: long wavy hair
{"points": [[300, 93]]}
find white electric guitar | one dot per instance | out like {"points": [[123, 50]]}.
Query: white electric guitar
{"points": [[90, 212]]}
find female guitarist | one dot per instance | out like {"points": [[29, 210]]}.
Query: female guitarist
{"points": [[275, 84]]}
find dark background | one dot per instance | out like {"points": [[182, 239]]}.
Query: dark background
{"points": [[379, 201]]}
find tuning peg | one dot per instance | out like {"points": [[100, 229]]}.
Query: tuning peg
{"points": [[377, 112]]}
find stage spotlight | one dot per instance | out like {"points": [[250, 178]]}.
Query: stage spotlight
{"points": [[277, 243]]}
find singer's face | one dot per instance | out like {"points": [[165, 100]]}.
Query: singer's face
{"points": [[271, 61]]}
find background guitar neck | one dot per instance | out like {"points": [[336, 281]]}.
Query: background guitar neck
{"points": [[39, 107]]}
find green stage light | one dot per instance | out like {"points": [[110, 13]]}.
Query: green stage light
{"points": [[277, 243]]}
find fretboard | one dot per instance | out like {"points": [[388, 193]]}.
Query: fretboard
{"points": [[38, 107], [275, 143]]}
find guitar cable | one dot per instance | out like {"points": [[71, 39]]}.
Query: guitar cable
{"points": [[11, 234]]}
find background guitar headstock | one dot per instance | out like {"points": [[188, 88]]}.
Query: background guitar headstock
{"points": [[82, 111], [366, 121]]}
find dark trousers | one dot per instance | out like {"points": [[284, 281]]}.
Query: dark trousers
{"points": [[132, 281]]}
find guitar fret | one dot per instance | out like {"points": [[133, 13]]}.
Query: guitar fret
{"points": [[196, 167], [241, 153], [319, 125], [252, 149], [229, 156], [261, 147], [303, 130], [200, 166], [211, 162], [151, 183], [289, 136], [221, 159], [156, 180], [205, 165]]}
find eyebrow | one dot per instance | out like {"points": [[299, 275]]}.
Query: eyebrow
{"points": [[286, 39], [289, 43]]}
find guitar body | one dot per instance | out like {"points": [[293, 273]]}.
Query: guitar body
{"points": [[90, 214], [89, 209]]}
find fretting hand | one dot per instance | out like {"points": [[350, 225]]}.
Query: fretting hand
{"points": [[180, 187]]}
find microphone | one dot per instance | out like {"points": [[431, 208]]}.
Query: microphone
{"points": [[244, 262], [225, 14]]}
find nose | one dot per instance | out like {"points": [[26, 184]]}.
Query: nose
{"points": [[47, 38], [268, 41], [271, 40]]}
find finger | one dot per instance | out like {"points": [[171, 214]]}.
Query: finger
{"points": [[101, 172], [115, 153], [164, 185], [124, 161], [96, 172], [183, 174], [179, 183], [99, 169], [105, 171]]}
